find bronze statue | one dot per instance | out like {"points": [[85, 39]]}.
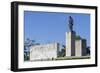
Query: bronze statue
{"points": [[70, 23]]}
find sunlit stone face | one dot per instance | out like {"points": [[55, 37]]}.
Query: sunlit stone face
{"points": [[43, 52]]}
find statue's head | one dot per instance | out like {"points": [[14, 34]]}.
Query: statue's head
{"points": [[70, 17]]}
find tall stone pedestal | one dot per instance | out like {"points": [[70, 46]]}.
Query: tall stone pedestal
{"points": [[80, 47], [70, 43]]}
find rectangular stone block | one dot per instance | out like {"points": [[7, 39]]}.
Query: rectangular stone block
{"points": [[44, 52], [70, 43], [80, 47]]}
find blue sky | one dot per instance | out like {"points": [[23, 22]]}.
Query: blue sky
{"points": [[46, 27]]}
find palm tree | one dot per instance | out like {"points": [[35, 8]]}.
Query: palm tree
{"points": [[63, 46]]}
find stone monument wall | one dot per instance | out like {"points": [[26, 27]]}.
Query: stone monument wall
{"points": [[44, 52], [80, 47], [70, 43]]}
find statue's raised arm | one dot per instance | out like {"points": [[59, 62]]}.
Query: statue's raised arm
{"points": [[70, 23]]}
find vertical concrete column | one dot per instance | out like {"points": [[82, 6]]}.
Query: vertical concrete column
{"points": [[70, 43], [80, 47]]}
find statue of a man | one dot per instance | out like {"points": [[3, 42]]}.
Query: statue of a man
{"points": [[70, 23]]}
